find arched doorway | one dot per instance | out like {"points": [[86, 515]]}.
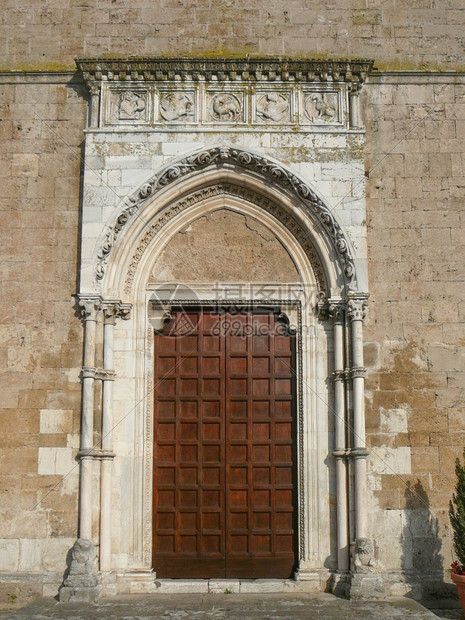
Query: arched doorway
{"points": [[288, 253]]}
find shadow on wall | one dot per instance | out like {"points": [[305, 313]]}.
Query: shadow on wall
{"points": [[422, 560]]}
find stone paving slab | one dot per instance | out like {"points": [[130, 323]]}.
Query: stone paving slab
{"points": [[231, 606]]}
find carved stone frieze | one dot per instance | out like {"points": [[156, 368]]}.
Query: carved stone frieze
{"points": [[255, 164], [131, 88]]}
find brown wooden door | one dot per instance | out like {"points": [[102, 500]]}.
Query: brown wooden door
{"points": [[224, 455]]}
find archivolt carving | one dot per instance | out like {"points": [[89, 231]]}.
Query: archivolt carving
{"points": [[222, 156], [233, 190]]}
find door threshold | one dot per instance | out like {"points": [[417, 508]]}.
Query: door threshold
{"points": [[234, 586]]}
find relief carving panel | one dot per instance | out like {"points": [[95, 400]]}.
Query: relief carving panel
{"points": [[178, 106], [128, 105], [322, 108], [226, 107], [272, 107]]}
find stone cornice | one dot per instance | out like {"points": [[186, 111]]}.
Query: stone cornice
{"points": [[142, 69]]}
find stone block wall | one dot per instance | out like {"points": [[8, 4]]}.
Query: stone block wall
{"points": [[400, 34], [414, 334], [40, 338]]}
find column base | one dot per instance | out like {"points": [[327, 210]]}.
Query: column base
{"points": [[365, 587], [81, 583], [340, 583], [364, 583]]}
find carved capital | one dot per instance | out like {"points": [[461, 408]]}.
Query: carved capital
{"points": [[336, 311], [339, 375], [116, 309], [357, 307], [89, 306]]}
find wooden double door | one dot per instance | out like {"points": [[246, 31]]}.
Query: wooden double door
{"points": [[224, 471]]}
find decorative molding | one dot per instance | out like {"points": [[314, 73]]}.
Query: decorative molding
{"points": [[234, 190], [102, 374], [143, 69], [357, 372], [359, 453], [223, 156]]}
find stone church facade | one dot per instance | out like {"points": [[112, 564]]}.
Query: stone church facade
{"points": [[232, 297]]}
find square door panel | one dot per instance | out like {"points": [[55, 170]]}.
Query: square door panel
{"points": [[211, 520], [188, 408]]}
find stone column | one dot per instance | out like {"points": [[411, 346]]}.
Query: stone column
{"points": [[89, 309], [336, 311], [365, 583], [111, 311], [81, 583], [354, 107], [94, 108], [106, 456]]}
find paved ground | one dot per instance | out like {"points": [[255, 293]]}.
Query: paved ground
{"points": [[230, 606]]}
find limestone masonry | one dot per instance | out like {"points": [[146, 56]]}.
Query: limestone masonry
{"points": [[301, 156]]}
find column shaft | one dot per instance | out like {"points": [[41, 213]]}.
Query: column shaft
{"points": [[87, 421], [110, 312], [340, 448]]}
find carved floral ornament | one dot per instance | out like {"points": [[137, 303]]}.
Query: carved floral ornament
{"points": [[267, 170]]}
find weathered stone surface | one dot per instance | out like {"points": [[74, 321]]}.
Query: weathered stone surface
{"points": [[225, 247]]}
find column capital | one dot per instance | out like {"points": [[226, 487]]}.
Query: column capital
{"points": [[336, 310], [115, 309], [357, 305], [89, 306]]}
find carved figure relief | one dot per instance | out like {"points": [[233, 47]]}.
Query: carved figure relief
{"points": [[273, 107], [131, 106], [322, 108], [177, 106], [226, 107]]}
